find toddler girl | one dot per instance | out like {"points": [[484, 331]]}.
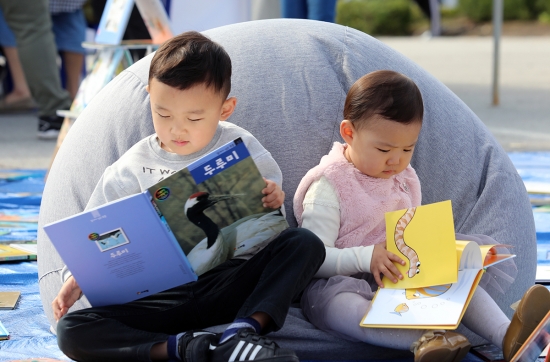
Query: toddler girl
{"points": [[343, 201]]}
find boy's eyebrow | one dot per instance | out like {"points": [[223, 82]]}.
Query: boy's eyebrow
{"points": [[195, 111]]}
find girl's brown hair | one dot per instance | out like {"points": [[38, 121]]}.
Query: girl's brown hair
{"points": [[389, 94]]}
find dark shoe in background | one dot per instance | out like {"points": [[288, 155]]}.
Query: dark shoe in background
{"points": [[49, 127]]}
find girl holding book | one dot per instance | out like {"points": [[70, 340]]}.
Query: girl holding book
{"points": [[343, 201]]}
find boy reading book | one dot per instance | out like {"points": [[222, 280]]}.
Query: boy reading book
{"points": [[344, 199], [189, 84]]}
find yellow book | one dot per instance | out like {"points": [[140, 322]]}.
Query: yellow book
{"points": [[9, 253], [424, 237], [436, 305]]}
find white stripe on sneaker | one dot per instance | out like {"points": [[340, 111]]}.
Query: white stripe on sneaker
{"points": [[255, 352], [236, 351], [245, 352]]}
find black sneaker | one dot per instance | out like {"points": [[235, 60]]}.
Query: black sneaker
{"points": [[194, 345], [49, 127], [247, 345]]}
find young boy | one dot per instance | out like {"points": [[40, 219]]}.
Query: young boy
{"points": [[189, 82]]}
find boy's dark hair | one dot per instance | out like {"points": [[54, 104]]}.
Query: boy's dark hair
{"points": [[190, 59], [389, 94]]}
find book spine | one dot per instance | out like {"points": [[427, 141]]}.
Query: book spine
{"points": [[18, 257], [167, 230]]}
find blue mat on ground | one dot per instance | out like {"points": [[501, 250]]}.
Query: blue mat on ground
{"points": [[20, 195], [535, 166], [30, 335]]}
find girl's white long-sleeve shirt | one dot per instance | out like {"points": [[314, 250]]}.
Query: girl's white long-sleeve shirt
{"points": [[322, 216]]}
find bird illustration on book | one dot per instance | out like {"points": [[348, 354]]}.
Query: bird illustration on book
{"points": [[426, 292], [401, 308], [407, 251], [246, 235]]}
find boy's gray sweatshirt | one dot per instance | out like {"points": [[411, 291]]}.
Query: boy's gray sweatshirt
{"points": [[146, 163]]}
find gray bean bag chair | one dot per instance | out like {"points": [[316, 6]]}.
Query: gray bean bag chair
{"points": [[291, 78]]}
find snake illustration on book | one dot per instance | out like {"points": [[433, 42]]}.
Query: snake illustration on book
{"points": [[406, 250]]}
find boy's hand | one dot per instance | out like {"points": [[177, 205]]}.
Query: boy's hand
{"points": [[274, 196], [382, 263], [69, 293]]}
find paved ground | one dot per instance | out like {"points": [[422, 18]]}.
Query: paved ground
{"points": [[464, 64]]}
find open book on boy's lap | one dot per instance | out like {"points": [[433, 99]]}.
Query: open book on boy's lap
{"points": [[451, 268], [164, 237]]}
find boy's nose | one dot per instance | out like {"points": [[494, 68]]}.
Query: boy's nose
{"points": [[178, 128]]}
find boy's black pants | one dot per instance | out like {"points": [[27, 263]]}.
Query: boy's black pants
{"points": [[269, 282]]}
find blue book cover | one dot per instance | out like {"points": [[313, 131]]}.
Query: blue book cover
{"points": [[183, 226], [113, 21], [120, 251]]}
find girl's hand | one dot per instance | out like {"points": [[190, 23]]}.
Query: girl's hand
{"points": [[383, 263], [69, 293], [274, 196]]}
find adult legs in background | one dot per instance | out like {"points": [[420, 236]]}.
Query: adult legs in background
{"points": [[70, 31], [20, 95], [294, 9], [30, 22], [323, 10]]}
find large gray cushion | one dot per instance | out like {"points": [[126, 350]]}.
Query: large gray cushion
{"points": [[291, 78]]}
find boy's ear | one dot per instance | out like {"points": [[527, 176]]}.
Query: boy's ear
{"points": [[228, 107], [147, 88], [347, 131]]}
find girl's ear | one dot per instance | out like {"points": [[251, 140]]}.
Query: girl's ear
{"points": [[228, 107], [347, 131]]}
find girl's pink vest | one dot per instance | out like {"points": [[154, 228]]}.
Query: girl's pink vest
{"points": [[363, 199]]}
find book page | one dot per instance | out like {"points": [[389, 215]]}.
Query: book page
{"points": [[31, 248], [468, 255], [441, 306], [424, 238], [491, 256]]}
